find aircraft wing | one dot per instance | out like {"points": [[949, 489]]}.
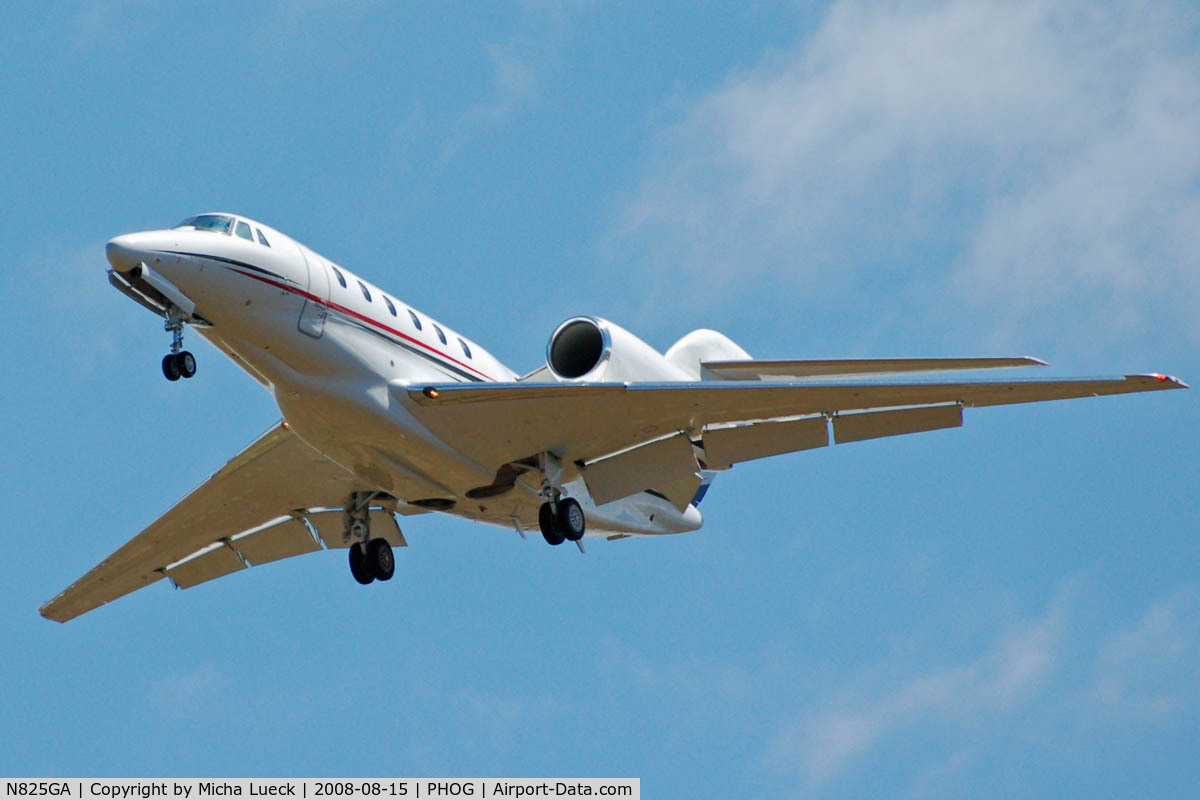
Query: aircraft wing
{"points": [[499, 423], [231, 520]]}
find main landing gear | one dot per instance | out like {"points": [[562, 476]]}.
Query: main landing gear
{"points": [[370, 559], [373, 560], [562, 521], [560, 518], [178, 363]]}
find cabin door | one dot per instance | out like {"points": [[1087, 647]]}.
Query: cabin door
{"points": [[312, 315]]}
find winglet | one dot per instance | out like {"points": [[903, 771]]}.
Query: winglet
{"points": [[1174, 383]]}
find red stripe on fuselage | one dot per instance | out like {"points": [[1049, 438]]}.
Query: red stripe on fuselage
{"points": [[359, 316]]}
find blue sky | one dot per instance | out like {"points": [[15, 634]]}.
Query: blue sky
{"points": [[1005, 609]]}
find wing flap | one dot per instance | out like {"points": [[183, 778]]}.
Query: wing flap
{"points": [[877, 424], [681, 491], [215, 563], [328, 525], [727, 446], [284, 540], [645, 467]]}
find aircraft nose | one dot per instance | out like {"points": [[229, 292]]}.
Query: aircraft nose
{"points": [[123, 253]]}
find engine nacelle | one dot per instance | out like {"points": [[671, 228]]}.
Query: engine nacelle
{"points": [[595, 350]]}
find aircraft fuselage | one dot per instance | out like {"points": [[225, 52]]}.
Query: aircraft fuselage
{"points": [[338, 354]]}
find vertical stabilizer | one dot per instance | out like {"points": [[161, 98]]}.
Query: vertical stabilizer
{"points": [[704, 345]]}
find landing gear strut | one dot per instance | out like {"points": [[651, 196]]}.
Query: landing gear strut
{"points": [[178, 363], [370, 559], [562, 520]]}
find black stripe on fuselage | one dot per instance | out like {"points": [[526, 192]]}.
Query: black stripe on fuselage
{"points": [[350, 320], [232, 261], [404, 345]]}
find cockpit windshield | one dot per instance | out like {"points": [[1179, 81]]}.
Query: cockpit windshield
{"points": [[217, 223]]}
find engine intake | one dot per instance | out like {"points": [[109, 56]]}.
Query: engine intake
{"points": [[593, 349], [577, 347]]}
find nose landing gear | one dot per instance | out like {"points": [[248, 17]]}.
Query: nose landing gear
{"points": [[178, 363]]}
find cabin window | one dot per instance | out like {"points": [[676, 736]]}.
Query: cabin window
{"points": [[391, 307], [341, 278], [416, 320], [466, 350], [441, 335], [366, 293], [262, 239]]}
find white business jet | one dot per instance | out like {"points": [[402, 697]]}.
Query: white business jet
{"points": [[387, 411]]}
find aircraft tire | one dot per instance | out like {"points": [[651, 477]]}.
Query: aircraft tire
{"points": [[360, 566], [185, 362], [170, 367], [549, 526], [571, 522], [381, 559]]}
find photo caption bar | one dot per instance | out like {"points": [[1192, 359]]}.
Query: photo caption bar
{"points": [[306, 788]]}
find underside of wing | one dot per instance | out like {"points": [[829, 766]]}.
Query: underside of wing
{"points": [[500, 423], [257, 508]]}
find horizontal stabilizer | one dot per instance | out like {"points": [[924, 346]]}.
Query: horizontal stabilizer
{"points": [[845, 368]]}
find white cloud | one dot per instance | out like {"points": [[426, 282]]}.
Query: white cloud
{"points": [[512, 78], [1148, 669], [827, 740], [515, 83], [83, 308], [106, 23], [1075, 679], [1017, 155], [711, 678], [187, 692]]}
